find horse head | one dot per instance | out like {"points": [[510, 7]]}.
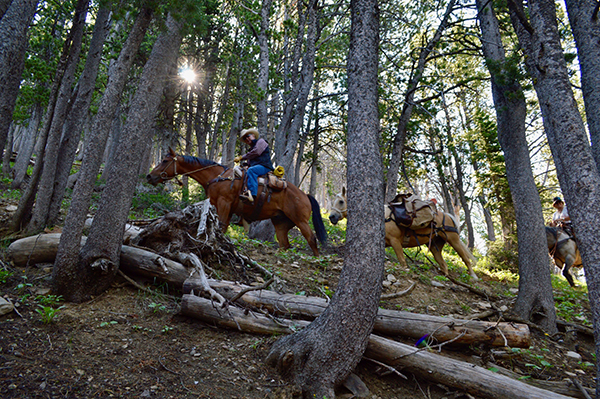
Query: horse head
{"points": [[165, 170], [339, 207]]}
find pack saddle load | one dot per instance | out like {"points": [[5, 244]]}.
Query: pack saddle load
{"points": [[410, 211]]}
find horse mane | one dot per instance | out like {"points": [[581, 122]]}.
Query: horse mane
{"points": [[189, 159]]}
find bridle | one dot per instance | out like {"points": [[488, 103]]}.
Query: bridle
{"points": [[342, 212], [163, 175]]}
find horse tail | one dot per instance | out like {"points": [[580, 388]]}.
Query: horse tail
{"points": [[318, 221]]}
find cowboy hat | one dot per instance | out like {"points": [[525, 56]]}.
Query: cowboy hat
{"points": [[246, 132]]}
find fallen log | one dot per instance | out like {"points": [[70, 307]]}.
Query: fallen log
{"points": [[388, 322], [42, 249], [433, 367]]}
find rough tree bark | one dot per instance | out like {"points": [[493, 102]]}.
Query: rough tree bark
{"points": [[322, 355], [13, 42], [567, 137], [27, 145], [68, 251], [51, 152], [76, 118], [22, 216], [99, 258], [263, 72], [586, 31], [535, 301]]}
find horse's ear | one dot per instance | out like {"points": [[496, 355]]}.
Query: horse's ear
{"points": [[172, 152]]}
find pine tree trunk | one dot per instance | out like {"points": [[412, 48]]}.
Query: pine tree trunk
{"points": [[535, 286], [306, 80], [263, 72], [575, 166], [76, 119], [65, 270], [99, 258], [62, 107], [586, 31], [22, 216], [291, 85], [13, 42], [26, 148], [322, 355]]}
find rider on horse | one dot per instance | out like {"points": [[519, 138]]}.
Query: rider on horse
{"points": [[561, 217], [259, 159]]}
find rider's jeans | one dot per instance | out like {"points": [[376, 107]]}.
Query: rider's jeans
{"points": [[253, 173]]}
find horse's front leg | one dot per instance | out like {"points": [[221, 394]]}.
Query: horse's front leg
{"points": [[281, 231], [437, 255], [393, 238], [224, 212], [569, 260]]}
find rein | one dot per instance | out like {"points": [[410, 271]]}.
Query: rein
{"points": [[163, 175]]}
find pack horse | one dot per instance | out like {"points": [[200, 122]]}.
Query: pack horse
{"points": [[441, 230], [286, 207]]}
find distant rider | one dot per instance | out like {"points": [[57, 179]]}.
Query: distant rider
{"points": [[561, 217], [259, 159]]}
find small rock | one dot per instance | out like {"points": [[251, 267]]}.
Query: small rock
{"points": [[5, 306], [386, 284], [503, 308], [145, 394], [437, 284], [573, 355], [484, 305], [514, 291], [42, 291], [11, 208], [391, 278], [570, 374]]}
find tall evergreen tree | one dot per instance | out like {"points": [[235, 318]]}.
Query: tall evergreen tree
{"points": [[323, 354], [538, 34], [99, 258], [13, 42], [535, 287]]}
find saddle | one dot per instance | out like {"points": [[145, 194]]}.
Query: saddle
{"points": [[269, 180], [273, 182], [410, 211]]}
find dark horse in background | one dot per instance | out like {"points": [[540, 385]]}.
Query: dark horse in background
{"points": [[563, 249], [286, 208]]}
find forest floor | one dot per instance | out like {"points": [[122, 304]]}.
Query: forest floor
{"points": [[133, 343]]}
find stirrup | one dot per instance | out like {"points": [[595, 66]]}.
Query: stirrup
{"points": [[247, 196]]}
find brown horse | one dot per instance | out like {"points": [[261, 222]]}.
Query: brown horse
{"points": [[442, 230], [564, 251], [286, 208]]}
